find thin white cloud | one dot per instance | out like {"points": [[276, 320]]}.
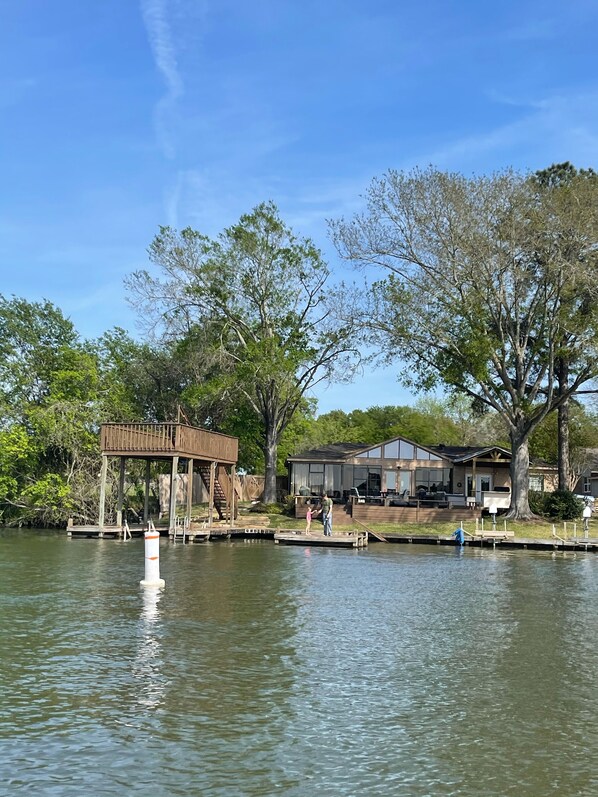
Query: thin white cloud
{"points": [[555, 128], [161, 41]]}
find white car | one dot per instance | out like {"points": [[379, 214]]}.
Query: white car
{"points": [[587, 499]]}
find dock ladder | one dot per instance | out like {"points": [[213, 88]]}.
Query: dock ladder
{"points": [[181, 528]]}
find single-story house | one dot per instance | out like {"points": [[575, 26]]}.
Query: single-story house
{"points": [[400, 469], [587, 483]]}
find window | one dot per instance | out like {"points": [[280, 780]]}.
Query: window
{"points": [[316, 477], [332, 480], [373, 453], [587, 484], [300, 477], [406, 450], [391, 450], [536, 483], [390, 480], [433, 479], [374, 481], [421, 454]]}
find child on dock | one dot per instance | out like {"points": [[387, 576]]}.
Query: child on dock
{"points": [[308, 516]]}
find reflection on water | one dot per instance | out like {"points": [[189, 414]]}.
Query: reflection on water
{"points": [[265, 670], [148, 666]]}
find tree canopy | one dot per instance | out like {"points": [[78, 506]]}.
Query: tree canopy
{"points": [[489, 281], [257, 297]]}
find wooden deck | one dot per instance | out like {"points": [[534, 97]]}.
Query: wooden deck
{"points": [[349, 539], [167, 440], [105, 532]]}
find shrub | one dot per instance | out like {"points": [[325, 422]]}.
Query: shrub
{"points": [[537, 502], [563, 505]]}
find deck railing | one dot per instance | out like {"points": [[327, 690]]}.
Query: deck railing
{"points": [[139, 439]]}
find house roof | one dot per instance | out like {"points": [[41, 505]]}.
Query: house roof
{"points": [[466, 453], [336, 452], [330, 452]]}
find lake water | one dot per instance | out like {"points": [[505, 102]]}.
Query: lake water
{"points": [[269, 670]]}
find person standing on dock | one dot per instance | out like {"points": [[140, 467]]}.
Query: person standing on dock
{"points": [[327, 515], [308, 516]]}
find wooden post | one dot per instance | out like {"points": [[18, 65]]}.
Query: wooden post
{"points": [[211, 498], [147, 491], [103, 474], [473, 478], [173, 488], [233, 478], [189, 487], [121, 491]]}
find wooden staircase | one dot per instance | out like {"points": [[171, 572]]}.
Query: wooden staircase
{"points": [[220, 498]]}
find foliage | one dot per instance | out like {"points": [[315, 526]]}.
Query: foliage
{"points": [[484, 274], [256, 299], [537, 502], [430, 422], [55, 391], [562, 505], [583, 432]]}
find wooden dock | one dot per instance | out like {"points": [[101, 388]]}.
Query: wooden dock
{"points": [[124, 532], [215, 533], [342, 539]]}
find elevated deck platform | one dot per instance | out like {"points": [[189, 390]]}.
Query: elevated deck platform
{"points": [[167, 440]]}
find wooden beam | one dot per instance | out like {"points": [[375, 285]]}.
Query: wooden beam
{"points": [[211, 498], [103, 474], [173, 489], [233, 479], [189, 487], [121, 492], [146, 491]]}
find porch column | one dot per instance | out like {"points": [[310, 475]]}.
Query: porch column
{"points": [[473, 477], [189, 487], [121, 492], [103, 474], [173, 488], [146, 492]]}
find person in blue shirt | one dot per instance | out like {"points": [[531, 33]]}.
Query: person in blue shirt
{"points": [[459, 536]]}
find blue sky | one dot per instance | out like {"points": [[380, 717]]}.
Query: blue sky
{"points": [[121, 115]]}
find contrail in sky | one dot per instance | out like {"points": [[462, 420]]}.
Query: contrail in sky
{"points": [[155, 18]]}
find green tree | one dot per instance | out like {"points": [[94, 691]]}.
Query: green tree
{"points": [[484, 274], [557, 180], [261, 293], [48, 393]]}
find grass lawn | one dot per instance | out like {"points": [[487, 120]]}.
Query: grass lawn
{"points": [[533, 529]]}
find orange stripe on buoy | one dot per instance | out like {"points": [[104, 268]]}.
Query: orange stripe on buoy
{"points": [[152, 536], [152, 557]]}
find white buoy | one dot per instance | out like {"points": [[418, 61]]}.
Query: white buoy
{"points": [[152, 561]]}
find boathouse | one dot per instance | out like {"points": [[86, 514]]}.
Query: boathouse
{"points": [[212, 455]]}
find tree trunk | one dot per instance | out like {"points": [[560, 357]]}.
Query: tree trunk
{"points": [[563, 435], [519, 509], [563, 428], [270, 455]]}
